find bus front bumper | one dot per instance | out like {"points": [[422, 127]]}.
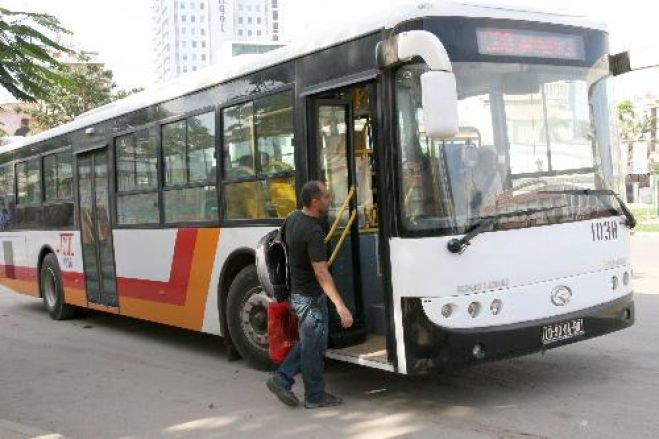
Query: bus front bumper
{"points": [[429, 347]]}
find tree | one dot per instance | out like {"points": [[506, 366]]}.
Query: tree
{"points": [[91, 86], [27, 67], [631, 125]]}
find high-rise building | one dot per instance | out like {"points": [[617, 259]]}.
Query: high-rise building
{"points": [[189, 34]]}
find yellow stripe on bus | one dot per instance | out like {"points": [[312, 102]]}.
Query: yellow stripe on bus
{"points": [[191, 314], [30, 288], [75, 296]]}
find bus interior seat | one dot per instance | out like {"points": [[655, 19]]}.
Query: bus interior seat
{"points": [[281, 188], [244, 200]]}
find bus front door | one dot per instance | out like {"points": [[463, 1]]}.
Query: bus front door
{"points": [[96, 232], [341, 155]]}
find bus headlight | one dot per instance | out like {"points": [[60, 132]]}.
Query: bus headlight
{"points": [[496, 306], [478, 351], [473, 309], [614, 282], [447, 310], [625, 278]]}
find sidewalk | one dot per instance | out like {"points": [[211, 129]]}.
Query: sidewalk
{"points": [[644, 256], [13, 430]]}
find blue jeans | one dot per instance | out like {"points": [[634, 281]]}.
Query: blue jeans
{"points": [[308, 355]]}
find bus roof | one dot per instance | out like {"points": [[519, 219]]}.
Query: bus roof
{"points": [[383, 18]]}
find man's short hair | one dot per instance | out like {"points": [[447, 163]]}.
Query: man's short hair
{"points": [[311, 189]]}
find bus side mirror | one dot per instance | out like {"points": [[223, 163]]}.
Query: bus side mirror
{"points": [[439, 98]]}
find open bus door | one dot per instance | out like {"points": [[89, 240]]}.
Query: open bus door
{"points": [[333, 136], [340, 141]]}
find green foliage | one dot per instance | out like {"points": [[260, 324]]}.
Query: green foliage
{"points": [[31, 74], [91, 86], [631, 125], [27, 69], [640, 213], [647, 228]]}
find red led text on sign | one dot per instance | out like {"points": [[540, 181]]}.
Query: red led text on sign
{"points": [[529, 44]]}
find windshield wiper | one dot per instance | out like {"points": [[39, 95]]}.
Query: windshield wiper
{"points": [[459, 245], [631, 221]]}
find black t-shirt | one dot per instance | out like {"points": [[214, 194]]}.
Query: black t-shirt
{"points": [[305, 243]]}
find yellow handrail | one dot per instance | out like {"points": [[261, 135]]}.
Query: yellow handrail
{"points": [[344, 234], [339, 215]]}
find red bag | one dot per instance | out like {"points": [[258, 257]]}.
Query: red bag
{"points": [[282, 331]]}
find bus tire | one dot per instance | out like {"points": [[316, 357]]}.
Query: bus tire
{"points": [[52, 292], [247, 318]]}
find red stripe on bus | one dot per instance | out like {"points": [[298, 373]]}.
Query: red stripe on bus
{"points": [[18, 273], [71, 279], [174, 291]]}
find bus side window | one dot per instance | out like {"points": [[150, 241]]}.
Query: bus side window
{"points": [[137, 178], [274, 141], [58, 176], [7, 197], [259, 166], [189, 157]]}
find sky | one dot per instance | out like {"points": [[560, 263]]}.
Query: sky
{"points": [[120, 30]]}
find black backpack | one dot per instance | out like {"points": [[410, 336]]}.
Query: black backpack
{"points": [[272, 264]]}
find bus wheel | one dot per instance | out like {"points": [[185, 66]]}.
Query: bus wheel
{"points": [[52, 291], [247, 318]]}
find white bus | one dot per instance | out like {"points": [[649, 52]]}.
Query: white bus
{"points": [[474, 147]]}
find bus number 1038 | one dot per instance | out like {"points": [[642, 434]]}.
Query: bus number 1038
{"points": [[605, 230]]}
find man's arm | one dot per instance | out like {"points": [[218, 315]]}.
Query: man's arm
{"points": [[326, 282]]}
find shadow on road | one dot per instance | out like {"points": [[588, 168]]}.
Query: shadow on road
{"points": [[148, 331], [523, 397]]}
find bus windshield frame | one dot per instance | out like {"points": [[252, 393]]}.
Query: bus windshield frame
{"points": [[528, 127]]}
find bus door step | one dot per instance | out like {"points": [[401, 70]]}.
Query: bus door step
{"points": [[340, 338]]}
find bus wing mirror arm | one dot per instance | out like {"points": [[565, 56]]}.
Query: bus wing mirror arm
{"points": [[632, 61]]}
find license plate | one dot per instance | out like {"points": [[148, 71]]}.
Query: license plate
{"points": [[562, 331]]}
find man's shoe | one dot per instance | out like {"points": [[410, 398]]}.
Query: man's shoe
{"points": [[328, 400], [286, 396]]}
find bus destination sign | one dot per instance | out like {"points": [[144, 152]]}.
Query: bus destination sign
{"points": [[531, 44]]}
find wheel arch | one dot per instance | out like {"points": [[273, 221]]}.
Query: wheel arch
{"points": [[237, 260], [45, 250]]}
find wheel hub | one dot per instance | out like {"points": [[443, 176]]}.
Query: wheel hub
{"points": [[254, 318], [49, 288]]}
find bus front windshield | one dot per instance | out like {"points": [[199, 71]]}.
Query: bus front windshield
{"points": [[529, 136]]}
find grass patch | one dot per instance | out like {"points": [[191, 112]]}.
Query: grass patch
{"points": [[641, 227], [643, 212], [647, 218]]}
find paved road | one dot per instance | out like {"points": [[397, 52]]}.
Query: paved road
{"points": [[104, 376]]}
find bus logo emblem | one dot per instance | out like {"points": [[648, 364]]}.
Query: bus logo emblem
{"points": [[66, 244], [561, 296]]}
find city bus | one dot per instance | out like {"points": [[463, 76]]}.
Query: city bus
{"points": [[470, 152]]}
